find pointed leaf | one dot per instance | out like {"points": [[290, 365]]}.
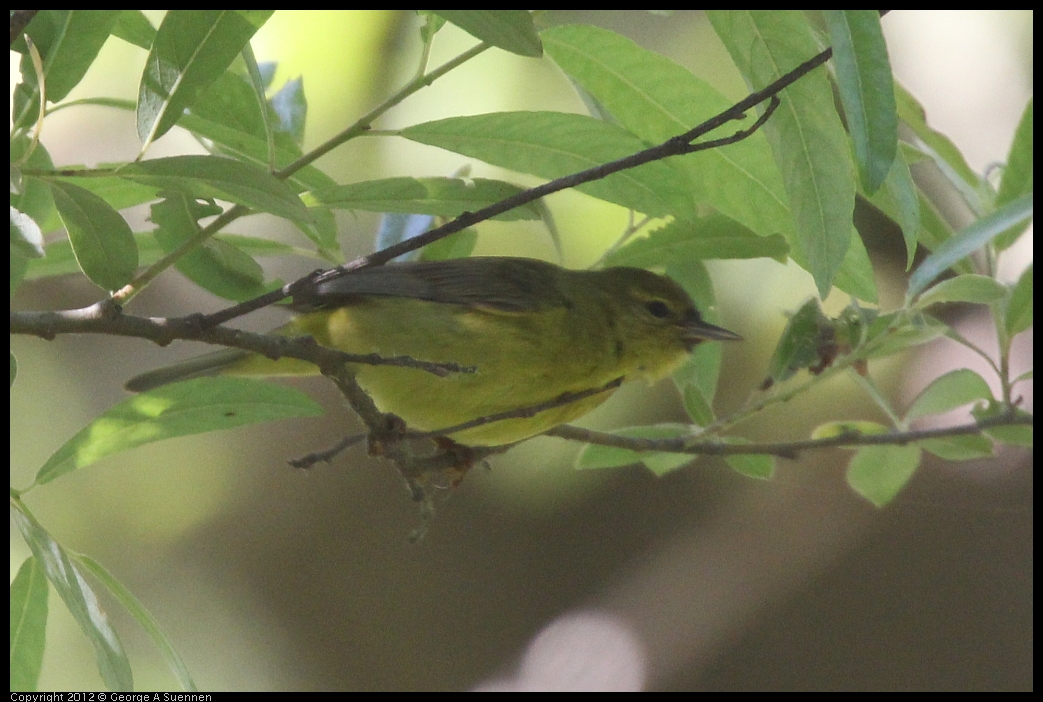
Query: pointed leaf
{"points": [[656, 99], [710, 237], [134, 28], [959, 448], [181, 409], [68, 42], [949, 391], [866, 90], [145, 619], [945, 154], [975, 289], [101, 238], [79, 597], [215, 265], [1019, 309], [510, 30], [28, 625], [805, 133], [967, 241], [595, 456], [752, 465], [220, 178], [191, 50], [878, 473], [444, 197], [556, 144], [1017, 175]]}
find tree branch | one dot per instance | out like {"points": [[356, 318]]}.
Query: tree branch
{"points": [[788, 449], [106, 318]]}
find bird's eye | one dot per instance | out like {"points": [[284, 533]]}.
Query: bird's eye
{"points": [[658, 308]]}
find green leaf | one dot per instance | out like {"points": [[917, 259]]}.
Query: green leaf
{"points": [[866, 90], [101, 238], [68, 42], [510, 30], [556, 144], [134, 28], [959, 448], [907, 337], [1017, 176], [180, 409], [220, 178], [976, 289], [1013, 435], [119, 193], [656, 99], [878, 473], [78, 596], [26, 239], [215, 265], [710, 237], [594, 456], [949, 391], [805, 133], [444, 197], [228, 120], [61, 261], [28, 194], [28, 625], [900, 202], [457, 245], [855, 276], [940, 148], [191, 50], [1018, 315], [935, 231], [967, 241], [697, 405], [751, 465], [800, 345], [145, 619]]}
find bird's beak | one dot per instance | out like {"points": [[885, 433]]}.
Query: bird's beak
{"points": [[697, 330]]}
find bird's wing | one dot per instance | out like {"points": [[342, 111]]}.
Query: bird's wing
{"points": [[504, 284]]}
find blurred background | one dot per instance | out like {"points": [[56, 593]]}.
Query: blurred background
{"points": [[534, 575]]}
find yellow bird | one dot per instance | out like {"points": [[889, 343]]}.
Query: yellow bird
{"points": [[532, 330]]}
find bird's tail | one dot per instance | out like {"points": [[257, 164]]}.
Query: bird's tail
{"points": [[207, 364]]}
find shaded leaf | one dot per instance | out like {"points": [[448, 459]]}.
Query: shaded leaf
{"points": [[215, 265], [145, 619], [444, 197], [710, 237], [219, 178], [79, 597], [180, 409], [100, 237], [967, 241], [979, 289], [191, 50], [29, 593], [878, 473], [866, 90], [510, 30], [556, 144], [949, 391], [656, 99], [1018, 316], [805, 133]]}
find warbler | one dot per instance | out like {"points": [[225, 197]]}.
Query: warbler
{"points": [[531, 330]]}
